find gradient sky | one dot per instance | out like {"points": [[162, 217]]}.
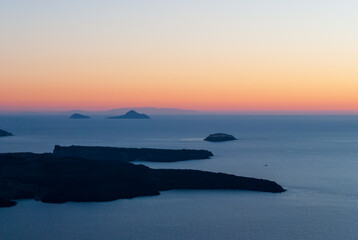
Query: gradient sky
{"points": [[209, 55]]}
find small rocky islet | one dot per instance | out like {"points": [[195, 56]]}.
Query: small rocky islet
{"points": [[79, 116], [71, 175], [220, 137]]}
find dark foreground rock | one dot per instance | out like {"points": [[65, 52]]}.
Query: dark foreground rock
{"points": [[130, 154], [47, 178], [4, 133], [131, 115], [220, 137], [6, 203], [79, 116]]}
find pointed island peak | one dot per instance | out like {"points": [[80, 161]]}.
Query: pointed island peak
{"points": [[79, 116], [131, 115], [131, 112]]}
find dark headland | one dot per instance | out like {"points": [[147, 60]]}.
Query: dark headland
{"points": [[5, 133], [52, 179], [130, 154], [220, 137], [7, 203], [79, 116], [131, 115]]}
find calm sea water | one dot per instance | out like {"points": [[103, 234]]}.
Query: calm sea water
{"points": [[314, 157]]}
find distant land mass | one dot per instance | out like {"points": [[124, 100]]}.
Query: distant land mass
{"points": [[79, 116], [131, 115], [4, 133], [176, 111], [117, 111], [153, 111]]}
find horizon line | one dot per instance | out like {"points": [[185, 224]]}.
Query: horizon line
{"points": [[181, 111]]}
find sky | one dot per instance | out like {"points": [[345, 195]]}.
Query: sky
{"points": [[242, 55]]}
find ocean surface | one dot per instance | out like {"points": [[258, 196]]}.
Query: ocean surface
{"points": [[314, 157]]}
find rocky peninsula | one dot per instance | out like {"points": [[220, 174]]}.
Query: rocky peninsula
{"points": [[130, 154], [52, 179]]}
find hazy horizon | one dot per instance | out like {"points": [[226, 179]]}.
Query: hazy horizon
{"points": [[173, 111]]}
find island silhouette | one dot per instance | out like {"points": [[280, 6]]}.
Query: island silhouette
{"points": [[79, 116], [131, 115], [220, 137]]}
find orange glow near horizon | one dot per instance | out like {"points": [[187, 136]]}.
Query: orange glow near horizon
{"points": [[215, 63], [201, 86]]}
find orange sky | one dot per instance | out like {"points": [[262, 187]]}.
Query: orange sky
{"points": [[217, 60]]}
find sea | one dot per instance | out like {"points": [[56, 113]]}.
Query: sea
{"points": [[314, 157]]}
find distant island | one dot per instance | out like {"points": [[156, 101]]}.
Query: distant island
{"points": [[220, 137], [153, 111], [113, 112], [52, 179], [4, 133], [79, 116], [131, 115]]}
